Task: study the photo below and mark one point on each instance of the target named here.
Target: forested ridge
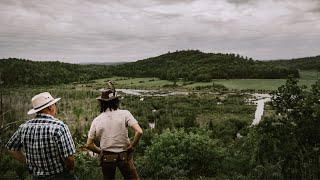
(190, 65)
(306, 63)
(25, 72)
(194, 65)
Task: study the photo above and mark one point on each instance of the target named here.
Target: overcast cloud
(129, 30)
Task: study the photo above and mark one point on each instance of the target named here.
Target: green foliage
(175, 154)
(301, 108)
(286, 146)
(306, 63)
(228, 130)
(193, 65)
(195, 137)
(190, 65)
(26, 72)
(8, 167)
(213, 87)
(87, 167)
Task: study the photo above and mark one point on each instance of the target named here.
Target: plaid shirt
(46, 142)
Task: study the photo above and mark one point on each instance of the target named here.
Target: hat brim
(102, 99)
(32, 111)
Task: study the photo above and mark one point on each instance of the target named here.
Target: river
(258, 99)
(140, 92)
(261, 99)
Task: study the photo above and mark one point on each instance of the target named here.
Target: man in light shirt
(111, 128)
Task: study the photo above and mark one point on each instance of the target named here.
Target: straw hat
(41, 101)
(108, 93)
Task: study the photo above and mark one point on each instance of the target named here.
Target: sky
(77, 31)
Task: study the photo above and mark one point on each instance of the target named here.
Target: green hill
(194, 65)
(25, 72)
(190, 65)
(306, 63)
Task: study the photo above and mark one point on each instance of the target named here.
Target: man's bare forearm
(69, 161)
(136, 138)
(92, 147)
(137, 134)
(18, 155)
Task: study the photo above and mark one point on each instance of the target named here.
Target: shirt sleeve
(92, 132)
(65, 142)
(14, 143)
(130, 120)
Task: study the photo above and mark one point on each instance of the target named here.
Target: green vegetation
(193, 65)
(195, 135)
(17, 72)
(186, 66)
(142, 83)
(285, 146)
(182, 156)
(307, 78)
(306, 63)
(78, 107)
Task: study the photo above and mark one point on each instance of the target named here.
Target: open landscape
(222, 90)
(179, 117)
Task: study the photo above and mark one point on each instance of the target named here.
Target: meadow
(78, 107)
(307, 78)
(205, 114)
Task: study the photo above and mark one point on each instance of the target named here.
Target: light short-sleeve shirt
(111, 128)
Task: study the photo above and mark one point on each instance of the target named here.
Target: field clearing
(241, 84)
(309, 75)
(307, 78)
(136, 82)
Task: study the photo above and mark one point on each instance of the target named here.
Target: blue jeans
(61, 176)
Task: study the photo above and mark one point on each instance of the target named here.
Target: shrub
(177, 154)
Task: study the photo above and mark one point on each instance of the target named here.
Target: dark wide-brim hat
(108, 93)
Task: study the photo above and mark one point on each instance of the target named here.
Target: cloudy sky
(129, 30)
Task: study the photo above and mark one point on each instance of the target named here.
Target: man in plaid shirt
(48, 146)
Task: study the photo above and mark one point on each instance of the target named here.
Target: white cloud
(96, 30)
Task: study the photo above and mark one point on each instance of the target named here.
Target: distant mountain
(103, 63)
(306, 63)
(194, 65)
(190, 65)
(25, 72)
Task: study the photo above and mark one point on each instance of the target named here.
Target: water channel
(261, 99)
(258, 99)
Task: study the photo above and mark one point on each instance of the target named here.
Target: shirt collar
(46, 116)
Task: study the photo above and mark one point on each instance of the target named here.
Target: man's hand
(92, 147)
(129, 148)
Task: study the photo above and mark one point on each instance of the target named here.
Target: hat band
(43, 105)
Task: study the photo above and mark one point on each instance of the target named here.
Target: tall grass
(78, 107)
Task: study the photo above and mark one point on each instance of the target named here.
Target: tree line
(26, 72)
(306, 63)
(194, 65)
(189, 65)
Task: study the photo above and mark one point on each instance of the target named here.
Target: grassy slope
(307, 78)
